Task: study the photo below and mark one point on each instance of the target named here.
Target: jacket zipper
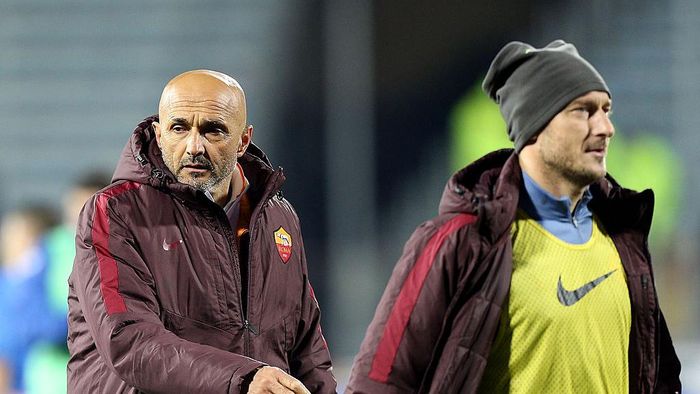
(656, 318)
(645, 360)
(622, 248)
(248, 327)
(237, 277)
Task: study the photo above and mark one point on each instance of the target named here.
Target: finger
(278, 388)
(293, 384)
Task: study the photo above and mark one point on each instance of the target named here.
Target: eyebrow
(587, 102)
(179, 121)
(205, 123)
(215, 123)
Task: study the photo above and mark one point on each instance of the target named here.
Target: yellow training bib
(565, 327)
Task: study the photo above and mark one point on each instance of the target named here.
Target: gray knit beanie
(531, 85)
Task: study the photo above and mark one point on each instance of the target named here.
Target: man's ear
(246, 138)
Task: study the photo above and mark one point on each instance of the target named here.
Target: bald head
(226, 79)
(203, 85)
(202, 129)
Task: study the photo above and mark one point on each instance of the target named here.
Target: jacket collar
(622, 209)
(490, 188)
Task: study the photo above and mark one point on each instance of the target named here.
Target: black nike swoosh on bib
(568, 298)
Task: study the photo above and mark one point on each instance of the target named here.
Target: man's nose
(602, 125)
(195, 143)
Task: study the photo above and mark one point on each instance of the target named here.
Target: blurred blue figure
(45, 364)
(25, 314)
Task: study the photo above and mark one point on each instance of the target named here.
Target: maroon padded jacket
(433, 329)
(158, 302)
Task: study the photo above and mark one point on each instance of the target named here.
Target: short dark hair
(94, 180)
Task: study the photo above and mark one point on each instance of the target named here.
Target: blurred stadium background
(368, 105)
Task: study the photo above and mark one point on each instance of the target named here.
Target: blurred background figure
(368, 105)
(23, 304)
(45, 366)
(37, 256)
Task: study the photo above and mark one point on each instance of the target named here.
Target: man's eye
(580, 111)
(178, 129)
(215, 134)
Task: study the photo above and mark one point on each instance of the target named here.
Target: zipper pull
(250, 327)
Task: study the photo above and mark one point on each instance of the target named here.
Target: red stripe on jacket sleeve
(109, 274)
(408, 297)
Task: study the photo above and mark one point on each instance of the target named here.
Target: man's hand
(274, 380)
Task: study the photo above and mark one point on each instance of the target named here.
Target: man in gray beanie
(535, 276)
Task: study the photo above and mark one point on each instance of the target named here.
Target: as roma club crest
(284, 244)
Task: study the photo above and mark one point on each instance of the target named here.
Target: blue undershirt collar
(554, 213)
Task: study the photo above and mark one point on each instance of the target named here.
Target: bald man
(190, 274)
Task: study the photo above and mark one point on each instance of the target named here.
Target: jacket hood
(141, 161)
(490, 188)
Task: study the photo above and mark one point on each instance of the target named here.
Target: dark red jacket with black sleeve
(433, 329)
(157, 300)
